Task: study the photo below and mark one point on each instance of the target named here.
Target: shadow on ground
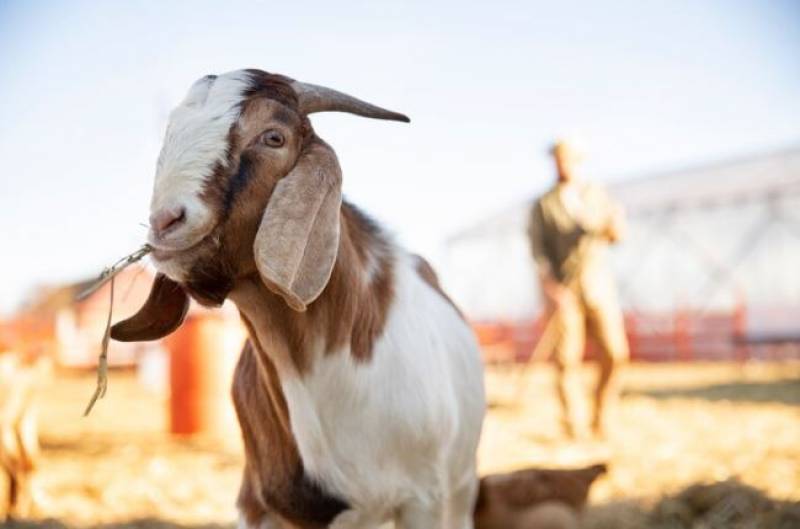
(726, 504)
(779, 391)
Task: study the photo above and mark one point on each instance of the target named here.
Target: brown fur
(356, 305)
(162, 313)
(513, 500)
(428, 274)
(274, 482)
(351, 310)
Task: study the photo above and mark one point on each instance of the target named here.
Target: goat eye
(272, 138)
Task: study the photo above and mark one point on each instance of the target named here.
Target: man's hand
(556, 294)
(615, 229)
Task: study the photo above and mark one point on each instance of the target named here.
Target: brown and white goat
(19, 442)
(535, 498)
(360, 391)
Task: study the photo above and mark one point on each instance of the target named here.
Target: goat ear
(162, 313)
(298, 239)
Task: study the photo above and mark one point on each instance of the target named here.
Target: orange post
(203, 352)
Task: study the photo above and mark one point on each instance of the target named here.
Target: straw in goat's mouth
(107, 276)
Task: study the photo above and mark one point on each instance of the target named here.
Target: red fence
(653, 337)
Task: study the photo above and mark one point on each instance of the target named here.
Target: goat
(360, 390)
(534, 498)
(19, 441)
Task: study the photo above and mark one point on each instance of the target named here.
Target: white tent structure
(710, 238)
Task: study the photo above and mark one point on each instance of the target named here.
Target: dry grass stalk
(106, 276)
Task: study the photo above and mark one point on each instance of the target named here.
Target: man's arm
(552, 290)
(614, 227)
(617, 226)
(536, 236)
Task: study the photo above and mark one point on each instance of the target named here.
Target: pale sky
(647, 86)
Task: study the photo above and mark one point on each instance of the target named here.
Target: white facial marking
(195, 141)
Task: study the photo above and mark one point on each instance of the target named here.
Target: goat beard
(209, 283)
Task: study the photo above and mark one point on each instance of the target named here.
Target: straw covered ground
(676, 426)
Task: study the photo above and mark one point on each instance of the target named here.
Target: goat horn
(315, 98)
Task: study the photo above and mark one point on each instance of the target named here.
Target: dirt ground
(676, 425)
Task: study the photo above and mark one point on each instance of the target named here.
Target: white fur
(398, 433)
(196, 140)
(374, 258)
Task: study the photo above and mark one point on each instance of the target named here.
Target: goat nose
(167, 219)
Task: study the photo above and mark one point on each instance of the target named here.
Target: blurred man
(570, 227)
